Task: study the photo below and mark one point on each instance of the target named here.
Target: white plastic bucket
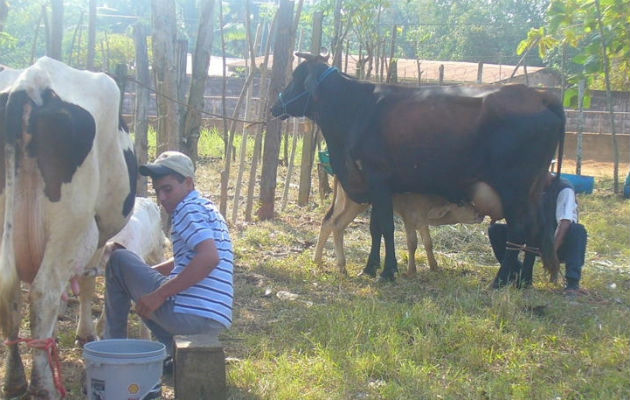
(124, 369)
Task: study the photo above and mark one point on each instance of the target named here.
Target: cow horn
(313, 57)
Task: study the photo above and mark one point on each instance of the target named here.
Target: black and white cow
(67, 184)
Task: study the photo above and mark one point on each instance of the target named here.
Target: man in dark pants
(559, 206)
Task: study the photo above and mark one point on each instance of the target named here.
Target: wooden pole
(164, 69)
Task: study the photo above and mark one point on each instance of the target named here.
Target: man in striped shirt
(190, 293)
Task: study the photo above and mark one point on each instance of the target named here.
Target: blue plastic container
(581, 183)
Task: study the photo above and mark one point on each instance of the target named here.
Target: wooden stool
(199, 368)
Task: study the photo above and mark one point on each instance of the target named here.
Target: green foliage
(575, 23)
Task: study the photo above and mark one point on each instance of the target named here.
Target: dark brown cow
(447, 141)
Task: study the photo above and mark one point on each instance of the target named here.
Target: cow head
(297, 98)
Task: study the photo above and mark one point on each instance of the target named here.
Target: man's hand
(148, 303)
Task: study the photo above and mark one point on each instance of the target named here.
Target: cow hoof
(14, 392)
(386, 279)
(498, 283)
(39, 394)
(79, 341)
(369, 271)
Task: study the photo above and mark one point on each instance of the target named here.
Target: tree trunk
(191, 130)
(56, 29)
(272, 138)
(337, 36)
(308, 142)
(91, 47)
(141, 123)
(42, 17)
(181, 62)
(609, 103)
(77, 29)
(164, 33)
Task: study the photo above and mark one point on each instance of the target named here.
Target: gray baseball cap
(167, 163)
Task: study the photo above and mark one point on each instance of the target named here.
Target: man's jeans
(571, 252)
(128, 278)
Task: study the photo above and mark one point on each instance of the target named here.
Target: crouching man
(191, 293)
(560, 206)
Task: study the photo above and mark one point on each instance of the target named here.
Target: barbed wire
(158, 94)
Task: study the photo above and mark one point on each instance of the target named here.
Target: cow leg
(15, 384)
(412, 245)
(425, 234)
(383, 214)
(60, 262)
(85, 328)
(510, 265)
(527, 272)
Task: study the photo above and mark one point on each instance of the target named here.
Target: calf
(417, 211)
(143, 235)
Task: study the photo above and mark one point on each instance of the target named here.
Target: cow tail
(9, 282)
(556, 108)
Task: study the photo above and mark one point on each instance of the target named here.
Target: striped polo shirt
(194, 220)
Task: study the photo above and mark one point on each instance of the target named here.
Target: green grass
(441, 335)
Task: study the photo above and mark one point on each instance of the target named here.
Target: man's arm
(566, 212)
(205, 260)
(561, 232)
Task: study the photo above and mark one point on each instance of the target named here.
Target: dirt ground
(597, 169)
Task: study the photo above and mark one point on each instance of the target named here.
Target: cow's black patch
(62, 137)
(132, 169)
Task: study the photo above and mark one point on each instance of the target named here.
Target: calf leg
(324, 232)
(15, 384)
(412, 245)
(339, 225)
(428, 246)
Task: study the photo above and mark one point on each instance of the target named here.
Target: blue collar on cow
(321, 78)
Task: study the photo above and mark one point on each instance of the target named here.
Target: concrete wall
(597, 147)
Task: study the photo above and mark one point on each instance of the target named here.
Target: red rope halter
(50, 345)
